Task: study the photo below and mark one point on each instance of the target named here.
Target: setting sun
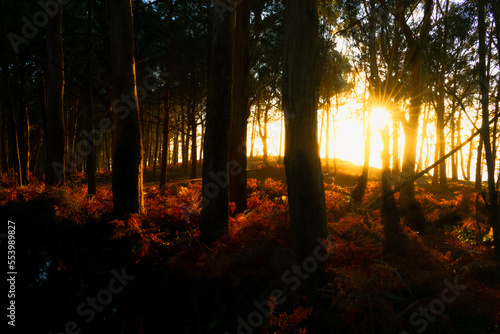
(380, 118)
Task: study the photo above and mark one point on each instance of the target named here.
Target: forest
(250, 166)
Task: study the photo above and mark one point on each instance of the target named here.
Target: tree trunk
(241, 111)
(127, 174)
(424, 139)
(411, 208)
(55, 146)
(306, 195)
(395, 149)
(157, 138)
(454, 140)
(164, 152)
(485, 132)
(479, 166)
(194, 127)
(440, 140)
(91, 156)
(23, 126)
(215, 205)
(252, 139)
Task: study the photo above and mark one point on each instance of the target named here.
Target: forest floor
(79, 268)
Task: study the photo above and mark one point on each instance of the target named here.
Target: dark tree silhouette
(55, 129)
(127, 155)
(241, 110)
(215, 210)
(306, 195)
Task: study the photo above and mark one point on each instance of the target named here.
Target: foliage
(363, 287)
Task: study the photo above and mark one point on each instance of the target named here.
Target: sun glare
(380, 118)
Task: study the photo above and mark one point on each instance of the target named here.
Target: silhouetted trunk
(485, 132)
(263, 131)
(55, 145)
(479, 166)
(193, 127)
(327, 137)
(164, 152)
(395, 149)
(252, 139)
(215, 205)
(157, 139)
(424, 139)
(91, 156)
(454, 164)
(412, 210)
(127, 174)
(238, 136)
(23, 126)
(440, 142)
(306, 195)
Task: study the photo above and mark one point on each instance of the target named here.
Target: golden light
(380, 118)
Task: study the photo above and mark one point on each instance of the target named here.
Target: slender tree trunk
(300, 98)
(155, 161)
(395, 149)
(281, 141)
(127, 174)
(91, 157)
(485, 132)
(252, 139)
(412, 210)
(241, 110)
(440, 139)
(55, 174)
(164, 152)
(23, 126)
(424, 139)
(327, 137)
(193, 126)
(215, 205)
(454, 140)
(479, 165)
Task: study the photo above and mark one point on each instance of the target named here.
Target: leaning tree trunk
(306, 195)
(127, 155)
(241, 111)
(55, 145)
(215, 205)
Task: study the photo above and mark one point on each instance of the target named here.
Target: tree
(306, 195)
(241, 110)
(485, 131)
(414, 59)
(215, 207)
(55, 131)
(91, 157)
(127, 155)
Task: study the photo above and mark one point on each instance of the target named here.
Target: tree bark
(485, 132)
(215, 205)
(127, 174)
(164, 152)
(241, 110)
(306, 195)
(157, 138)
(55, 146)
(413, 214)
(194, 127)
(91, 156)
